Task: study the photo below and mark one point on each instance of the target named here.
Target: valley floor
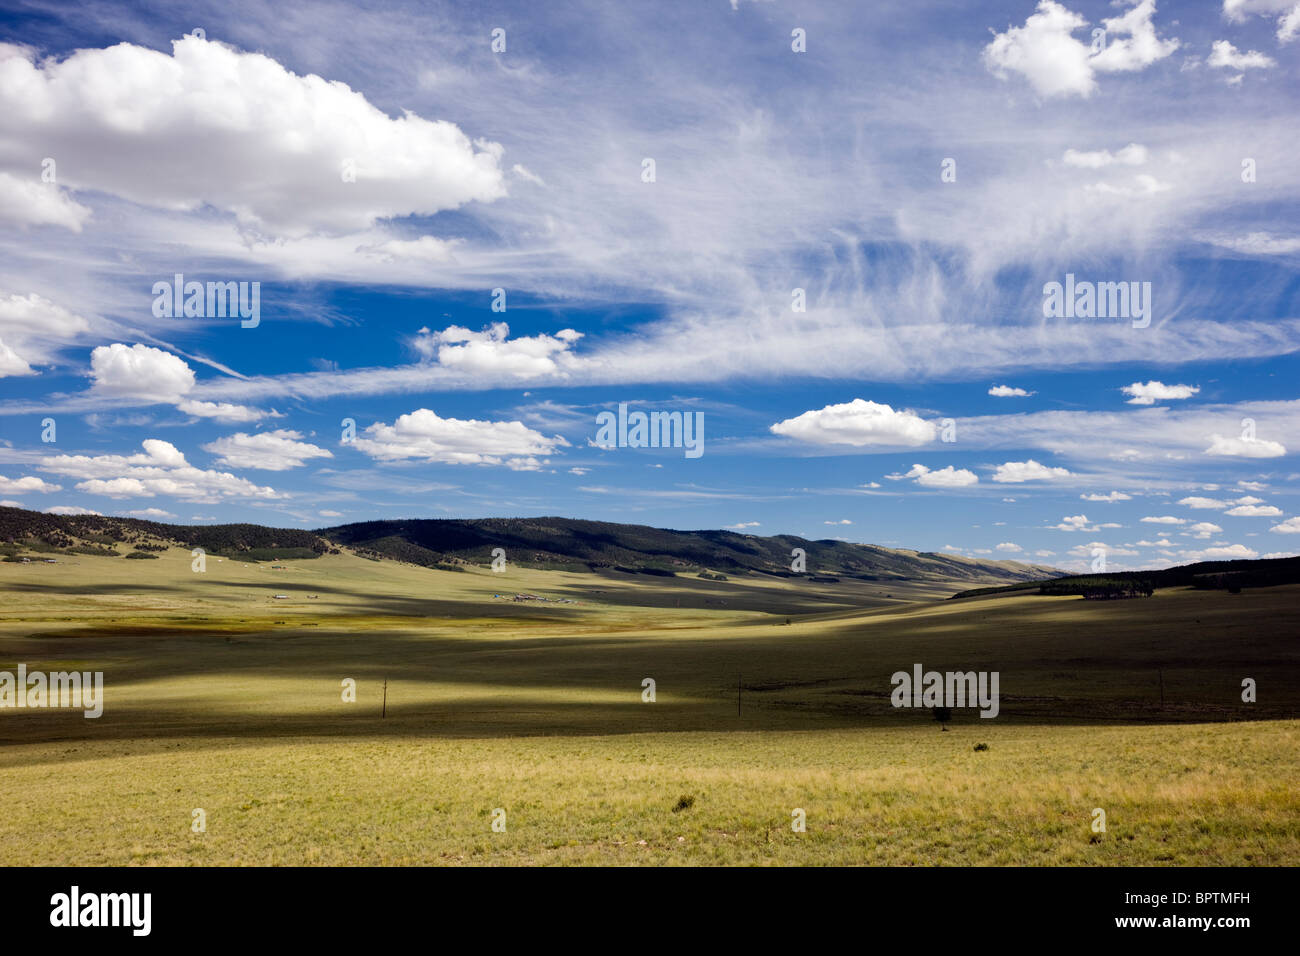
(471, 709)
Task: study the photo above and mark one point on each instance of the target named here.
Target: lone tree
(943, 715)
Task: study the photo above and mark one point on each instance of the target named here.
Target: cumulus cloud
(1203, 529)
(859, 423)
(1288, 24)
(277, 450)
(1222, 553)
(1289, 526)
(1055, 63)
(1225, 56)
(1254, 511)
(423, 434)
(1007, 391)
(1008, 546)
(1202, 503)
(1153, 392)
(31, 329)
(492, 352)
(1081, 523)
(19, 486)
(70, 510)
(1244, 447)
(1112, 497)
(1163, 519)
(151, 513)
(1014, 472)
(26, 201)
(140, 372)
(175, 131)
(160, 470)
(948, 477)
(143, 373)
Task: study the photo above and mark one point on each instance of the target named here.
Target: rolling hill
(553, 543)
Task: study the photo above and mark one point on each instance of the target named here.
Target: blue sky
(919, 172)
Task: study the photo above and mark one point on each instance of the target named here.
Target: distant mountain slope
(1204, 575)
(561, 543)
(573, 543)
(42, 533)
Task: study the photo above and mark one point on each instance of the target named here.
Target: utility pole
(384, 712)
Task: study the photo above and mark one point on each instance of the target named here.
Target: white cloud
(1047, 54)
(151, 513)
(140, 372)
(20, 486)
(1289, 526)
(149, 375)
(1203, 529)
(1132, 43)
(1244, 447)
(841, 521)
(1228, 553)
(1112, 497)
(1014, 472)
(1203, 503)
(1008, 546)
(221, 411)
(31, 329)
(423, 249)
(1254, 511)
(1252, 485)
(1288, 25)
(425, 435)
(160, 470)
(69, 510)
(1256, 243)
(330, 514)
(1007, 391)
(1153, 392)
(26, 201)
(277, 450)
(175, 131)
(744, 524)
(492, 352)
(1164, 519)
(1226, 56)
(948, 477)
(858, 423)
(1131, 155)
(1075, 523)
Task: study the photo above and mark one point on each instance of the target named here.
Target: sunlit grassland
(219, 696)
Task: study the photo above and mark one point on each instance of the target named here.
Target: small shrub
(138, 555)
(684, 802)
(979, 747)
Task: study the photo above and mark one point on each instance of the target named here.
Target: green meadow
(224, 691)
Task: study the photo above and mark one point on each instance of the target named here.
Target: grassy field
(220, 696)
